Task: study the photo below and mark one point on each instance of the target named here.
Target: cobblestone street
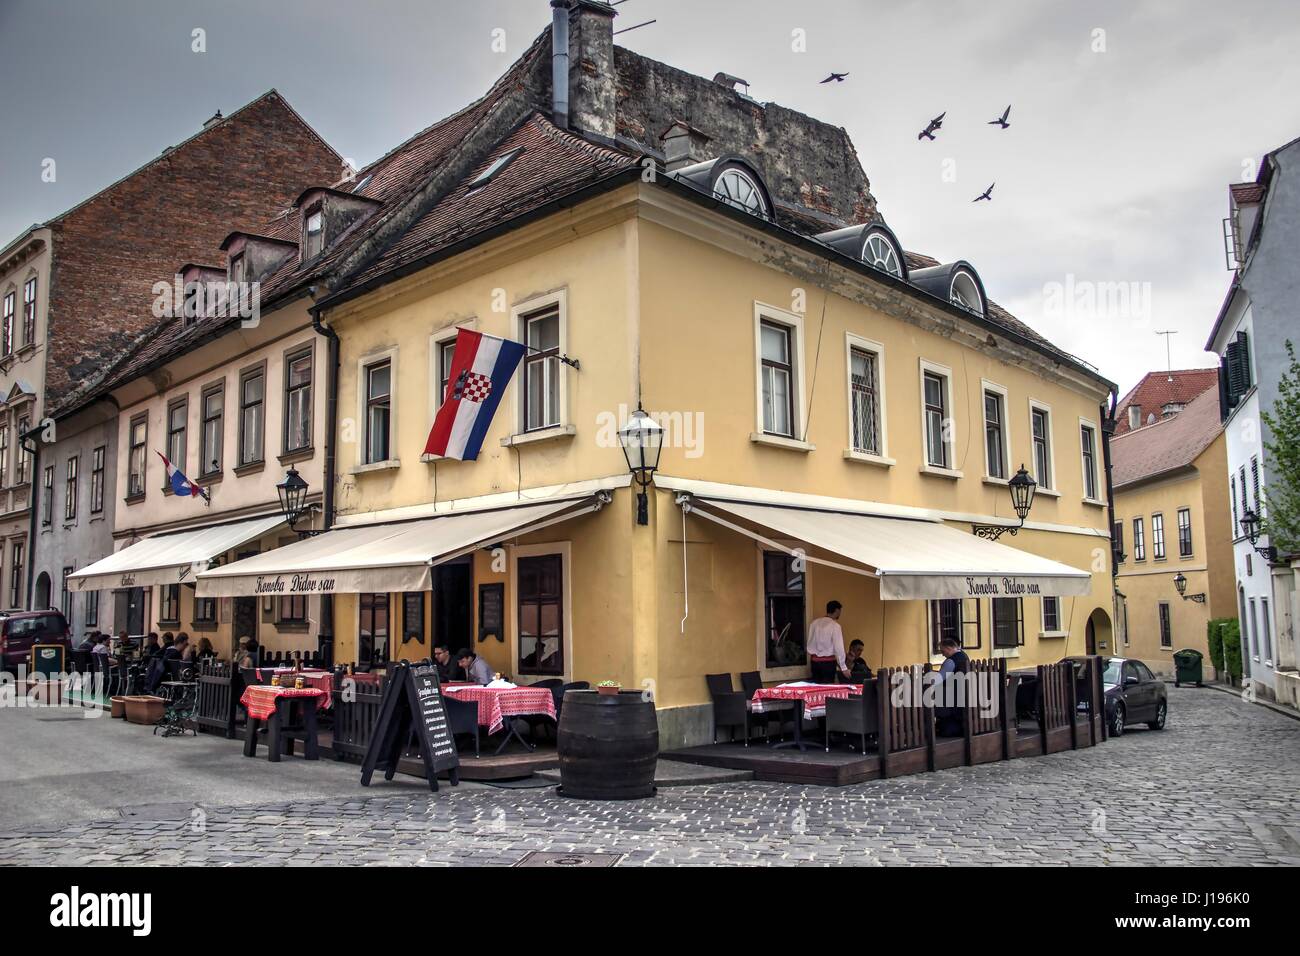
(1221, 785)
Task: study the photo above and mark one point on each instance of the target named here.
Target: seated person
(476, 669)
(859, 671)
(205, 650)
(448, 670)
(151, 646)
(101, 646)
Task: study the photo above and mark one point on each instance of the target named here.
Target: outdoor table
(269, 704)
(174, 688)
(321, 679)
(495, 704)
(809, 701)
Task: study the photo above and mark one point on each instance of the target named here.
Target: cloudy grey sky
(1129, 118)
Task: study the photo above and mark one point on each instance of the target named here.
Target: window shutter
(1225, 402)
(1232, 369)
(1243, 363)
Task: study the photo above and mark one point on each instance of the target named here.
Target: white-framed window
(997, 449)
(938, 427)
(879, 253)
(1040, 431)
(542, 323)
(778, 360)
(442, 351)
(1266, 631)
(313, 232)
(1158, 536)
(1052, 615)
(736, 188)
(252, 414)
(213, 400)
(965, 294)
(866, 363)
(378, 384)
(298, 434)
(1088, 456)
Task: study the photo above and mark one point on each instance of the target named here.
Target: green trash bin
(1187, 667)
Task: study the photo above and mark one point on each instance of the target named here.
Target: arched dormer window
(880, 253)
(732, 180)
(964, 293)
(734, 186)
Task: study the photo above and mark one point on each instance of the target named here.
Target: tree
(1282, 493)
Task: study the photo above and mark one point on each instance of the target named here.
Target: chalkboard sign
(412, 706)
(47, 659)
(491, 611)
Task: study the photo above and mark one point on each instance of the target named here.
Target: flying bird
(986, 194)
(837, 77)
(1002, 120)
(934, 124)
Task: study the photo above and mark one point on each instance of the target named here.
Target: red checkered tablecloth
(260, 699)
(324, 680)
(813, 696)
(497, 703)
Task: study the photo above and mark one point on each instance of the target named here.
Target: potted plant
(608, 687)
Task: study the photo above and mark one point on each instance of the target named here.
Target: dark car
(19, 630)
(1134, 695)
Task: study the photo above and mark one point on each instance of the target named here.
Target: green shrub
(1214, 641)
(1232, 650)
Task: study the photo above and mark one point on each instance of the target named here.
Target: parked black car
(1134, 695)
(19, 630)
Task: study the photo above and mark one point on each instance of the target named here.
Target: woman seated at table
(204, 650)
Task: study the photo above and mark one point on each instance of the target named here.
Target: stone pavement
(1220, 786)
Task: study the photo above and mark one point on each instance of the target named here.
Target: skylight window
(489, 174)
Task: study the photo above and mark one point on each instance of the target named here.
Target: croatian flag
(180, 484)
(480, 371)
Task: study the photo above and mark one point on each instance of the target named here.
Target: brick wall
(112, 249)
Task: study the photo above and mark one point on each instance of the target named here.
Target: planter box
(117, 707)
(144, 710)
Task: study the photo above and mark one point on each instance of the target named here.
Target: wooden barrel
(608, 745)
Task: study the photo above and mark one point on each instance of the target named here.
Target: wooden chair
(854, 715)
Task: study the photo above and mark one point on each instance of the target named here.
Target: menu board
(412, 704)
(491, 611)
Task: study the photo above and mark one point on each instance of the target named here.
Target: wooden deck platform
(514, 764)
(838, 768)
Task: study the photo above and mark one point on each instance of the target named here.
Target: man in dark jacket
(949, 722)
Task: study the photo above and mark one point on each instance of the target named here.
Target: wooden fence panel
(216, 697)
(354, 720)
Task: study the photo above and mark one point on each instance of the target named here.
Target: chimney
(1170, 409)
(214, 118)
(584, 83)
(684, 145)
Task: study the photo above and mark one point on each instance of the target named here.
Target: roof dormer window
(965, 294)
(879, 253)
(735, 188)
(313, 233)
(498, 164)
(238, 267)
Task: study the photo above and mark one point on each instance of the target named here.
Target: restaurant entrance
(453, 615)
(129, 609)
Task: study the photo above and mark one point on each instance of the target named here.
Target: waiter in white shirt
(826, 646)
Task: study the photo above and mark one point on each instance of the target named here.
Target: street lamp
(293, 497)
(642, 439)
(1022, 489)
(1251, 524)
(1180, 585)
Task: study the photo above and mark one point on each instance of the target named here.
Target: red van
(19, 630)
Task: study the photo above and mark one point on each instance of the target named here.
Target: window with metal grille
(1051, 614)
(863, 398)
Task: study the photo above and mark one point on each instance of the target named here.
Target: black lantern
(1022, 489)
(1180, 585)
(1250, 525)
(642, 439)
(293, 496)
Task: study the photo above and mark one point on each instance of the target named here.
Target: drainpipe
(1108, 430)
(331, 454)
(34, 502)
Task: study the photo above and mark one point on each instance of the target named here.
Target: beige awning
(170, 558)
(381, 557)
(914, 559)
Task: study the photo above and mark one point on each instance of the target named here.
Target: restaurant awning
(382, 557)
(914, 559)
(170, 558)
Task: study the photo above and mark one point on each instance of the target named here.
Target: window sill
(285, 627)
(1053, 634)
(936, 472)
(388, 464)
(203, 625)
(780, 441)
(1095, 502)
(211, 478)
(94, 518)
(1006, 652)
(133, 499)
(252, 468)
(527, 438)
(1000, 482)
(1050, 492)
(169, 622)
(300, 454)
(866, 458)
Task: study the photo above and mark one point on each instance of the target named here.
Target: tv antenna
(1169, 361)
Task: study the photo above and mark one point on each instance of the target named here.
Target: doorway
(453, 612)
(129, 610)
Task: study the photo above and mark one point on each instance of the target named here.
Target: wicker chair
(854, 715)
(730, 707)
(773, 711)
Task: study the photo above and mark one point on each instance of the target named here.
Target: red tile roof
(1157, 389)
(1168, 445)
(1245, 193)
